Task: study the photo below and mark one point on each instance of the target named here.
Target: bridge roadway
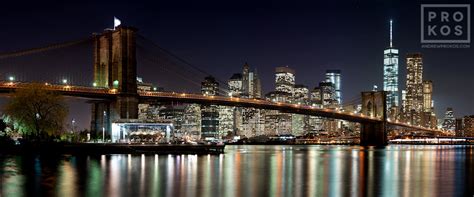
(151, 97)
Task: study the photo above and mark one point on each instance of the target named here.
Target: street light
(103, 127)
(64, 81)
(72, 123)
(11, 78)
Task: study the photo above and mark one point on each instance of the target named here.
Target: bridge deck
(152, 97)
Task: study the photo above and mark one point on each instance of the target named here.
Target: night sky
(220, 36)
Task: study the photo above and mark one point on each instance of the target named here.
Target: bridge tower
(115, 67)
(374, 133)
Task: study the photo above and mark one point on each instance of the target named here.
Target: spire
(246, 65)
(391, 45)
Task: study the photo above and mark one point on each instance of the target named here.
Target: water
(249, 171)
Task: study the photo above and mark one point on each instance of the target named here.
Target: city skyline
(309, 60)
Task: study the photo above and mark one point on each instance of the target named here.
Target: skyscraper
(328, 94)
(414, 88)
(210, 86)
(301, 94)
(334, 76)
(251, 87)
(235, 85)
(245, 79)
(284, 79)
(247, 121)
(390, 73)
(427, 96)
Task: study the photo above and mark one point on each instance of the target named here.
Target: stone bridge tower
(115, 67)
(374, 133)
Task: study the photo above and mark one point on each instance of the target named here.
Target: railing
(62, 88)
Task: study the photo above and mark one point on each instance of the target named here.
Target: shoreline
(110, 148)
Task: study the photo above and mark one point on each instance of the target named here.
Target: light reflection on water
(249, 171)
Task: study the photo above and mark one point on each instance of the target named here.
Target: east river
(396, 170)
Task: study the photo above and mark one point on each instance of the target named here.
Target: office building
(414, 89)
(284, 79)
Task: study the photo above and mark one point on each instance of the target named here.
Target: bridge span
(154, 97)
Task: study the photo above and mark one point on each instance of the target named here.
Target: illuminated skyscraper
(427, 96)
(414, 83)
(251, 87)
(235, 85)
(328, 94)
(284, 79)
(390, 73)
(334, 76)
(247, 121)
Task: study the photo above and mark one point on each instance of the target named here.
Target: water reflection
(249, 171)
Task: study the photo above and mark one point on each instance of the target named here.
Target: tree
(34, 110)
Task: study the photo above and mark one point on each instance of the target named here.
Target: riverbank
(110, 148)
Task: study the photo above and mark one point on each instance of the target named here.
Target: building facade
(284, 79)
(469, 126)
(209, 113)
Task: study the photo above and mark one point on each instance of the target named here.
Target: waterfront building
(226, 120)
(209, 113)
(300, 123)
(191, 124)
(334, 76)
(277, 122)
(390, 73)
(173, 114)
(247, 121)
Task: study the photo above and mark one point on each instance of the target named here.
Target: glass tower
(334, 76)
(390, 73)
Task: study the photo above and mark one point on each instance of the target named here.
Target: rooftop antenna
(391, 33)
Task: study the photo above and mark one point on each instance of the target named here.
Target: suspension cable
(23, 52)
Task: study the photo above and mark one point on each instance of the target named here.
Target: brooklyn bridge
(114, 95)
